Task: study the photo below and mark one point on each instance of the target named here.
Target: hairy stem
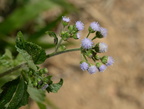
(58, 45)
(61, 52)
(88, 34)
(12, 69)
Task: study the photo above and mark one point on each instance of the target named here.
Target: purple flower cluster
(92, 68)
(88, 48)
(94, 26)
(90, 51)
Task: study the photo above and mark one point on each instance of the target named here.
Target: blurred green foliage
(23, 15)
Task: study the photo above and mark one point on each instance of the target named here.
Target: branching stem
(59, 43)
(24, 64)
(61, 52)
(12, 69)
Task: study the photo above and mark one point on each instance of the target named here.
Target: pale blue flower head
(102, 67)
(102, 47)
(79, 25)
(84, 66)
(87, 43)
(103, 31)
(95, 26)
(65, 19)
(92, 69)
(110, 61)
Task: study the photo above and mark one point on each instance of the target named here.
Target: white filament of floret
(66, 19)
(103, 47)
(110, 61)
(92, 69)
(79, 25)
(84, 66)
(87, 43)
(102, 68)
(78, 35)
(103, 31)
(95, 26)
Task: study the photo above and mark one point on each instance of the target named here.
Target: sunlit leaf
(36, 53)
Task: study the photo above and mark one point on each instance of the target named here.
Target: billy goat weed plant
(24, 77)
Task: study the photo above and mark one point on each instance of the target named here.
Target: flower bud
(89, 53)
(94, 26)
(107, 60)
(71, 28)
(62, 47)
(65, 35)
(99, 35)
(91, 30)
(101, 67)
(65, 21)
(96, 57)
(102, 33)
(100, 47)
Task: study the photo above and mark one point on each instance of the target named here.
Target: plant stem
(88, 34)
(58, 45)
(23, 64)
(85, 58)
(12, 69)
(61, 52)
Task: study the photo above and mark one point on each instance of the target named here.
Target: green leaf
(14, 94)
(20, 42)
(37, 53)
(37, 95)
(8, 54)
(55, 86)
(28, 58)
(52, 34)
(6, 59)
